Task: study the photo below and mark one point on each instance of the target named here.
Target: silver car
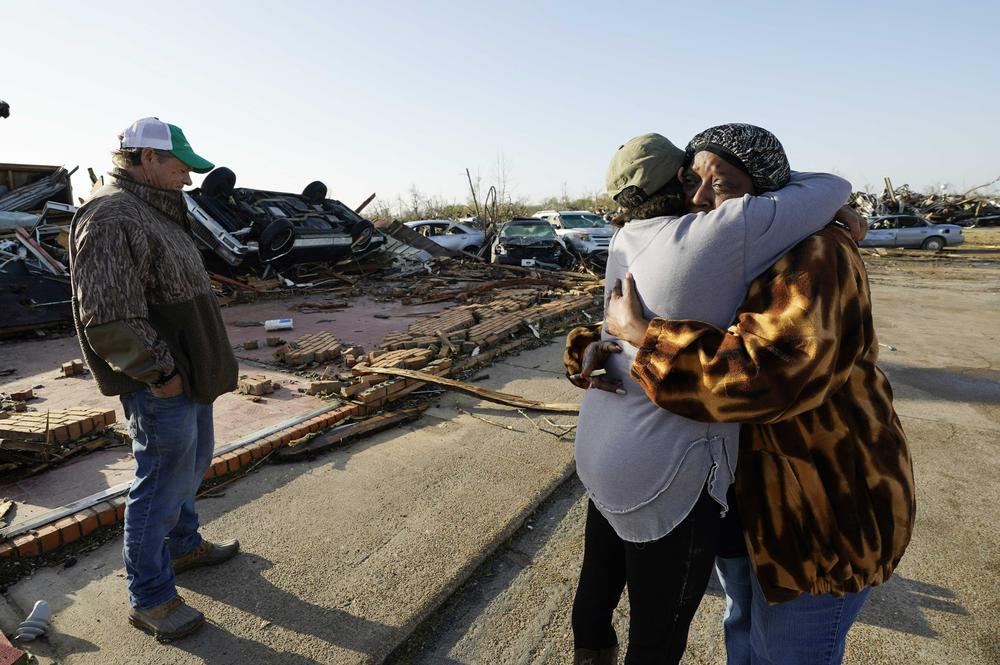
(911, 231)
(585, 232)
(449, 234)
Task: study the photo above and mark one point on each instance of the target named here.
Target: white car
(450, 234)
(585, 232)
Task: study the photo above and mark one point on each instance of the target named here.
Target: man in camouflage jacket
(151, 332)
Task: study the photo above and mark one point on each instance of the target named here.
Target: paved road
(940, 608)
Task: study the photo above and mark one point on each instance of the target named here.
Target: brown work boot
(170, 621)
(206, 554)
(596, 656)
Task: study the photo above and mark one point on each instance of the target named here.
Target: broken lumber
(469, 389)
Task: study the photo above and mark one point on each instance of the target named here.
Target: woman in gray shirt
(656, 481)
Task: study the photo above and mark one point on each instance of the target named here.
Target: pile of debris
(36, 207)
(489, 313)
(965, 209)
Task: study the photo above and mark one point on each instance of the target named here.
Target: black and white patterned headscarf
(749, 148)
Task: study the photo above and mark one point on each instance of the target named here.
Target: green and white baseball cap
(648, 162)
(156, 134)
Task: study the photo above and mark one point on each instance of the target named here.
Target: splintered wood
(316, 347)
(57, 426)
(484, 393)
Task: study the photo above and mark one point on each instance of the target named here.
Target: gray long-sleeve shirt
(644, 467)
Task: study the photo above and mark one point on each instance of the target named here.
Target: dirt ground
(938, 320)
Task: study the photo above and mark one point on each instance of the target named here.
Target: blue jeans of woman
(172, 442)
(810, 630)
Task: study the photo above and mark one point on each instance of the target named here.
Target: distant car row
(550, 239)
(248, 228)
(554, 239)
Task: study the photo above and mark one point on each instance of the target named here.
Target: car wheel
(361, 235)
(315, 192)
(933, 244)
(219, 183)
(276, 240)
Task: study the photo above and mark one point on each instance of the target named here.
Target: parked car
(450, 234)
(584, 232)
(530, 242)
(911, 231)
(250, 228)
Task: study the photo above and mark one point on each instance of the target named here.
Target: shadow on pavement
(952, 384)
(254, 594)
(237, 650)
(897, 605)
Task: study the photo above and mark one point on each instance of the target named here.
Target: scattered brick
(316, 347)
(73, 367)
(328, 387)
(255, 385)
(64, 425)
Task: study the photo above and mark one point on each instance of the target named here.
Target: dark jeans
(173, 442)
(666, 580)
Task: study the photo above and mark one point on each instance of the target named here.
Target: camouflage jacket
(824, 481)
(142, 301)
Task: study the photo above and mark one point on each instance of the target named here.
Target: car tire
(315, 192)
(933, 244)
(361, 235)
(276, 240)
(220, 183)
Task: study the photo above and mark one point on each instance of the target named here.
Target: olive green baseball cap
(648, 162)
(154, 133)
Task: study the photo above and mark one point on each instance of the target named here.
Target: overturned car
(246, 230)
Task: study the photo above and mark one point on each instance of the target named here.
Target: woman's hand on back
(853, 220)
(624, 317)
(594, 358)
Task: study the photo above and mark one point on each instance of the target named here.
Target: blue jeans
(172, 442)
(810, 630)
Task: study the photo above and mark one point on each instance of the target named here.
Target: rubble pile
(966, 209)
(36, 207)
(491, 317)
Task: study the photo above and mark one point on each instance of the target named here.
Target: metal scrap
(964, 209)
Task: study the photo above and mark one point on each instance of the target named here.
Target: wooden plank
(476, 391)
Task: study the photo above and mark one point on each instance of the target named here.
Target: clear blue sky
(382, 96)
